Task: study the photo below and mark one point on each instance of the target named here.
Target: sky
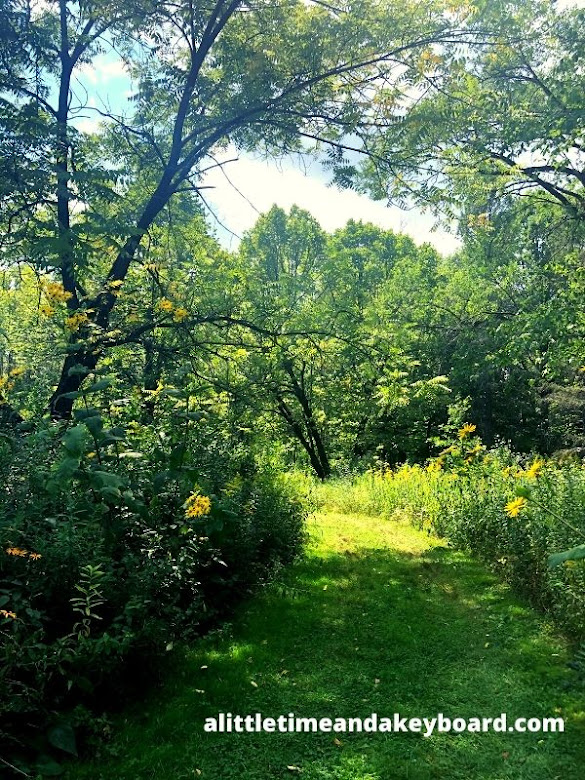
(247, 186)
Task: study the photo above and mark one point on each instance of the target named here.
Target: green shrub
(116, 541)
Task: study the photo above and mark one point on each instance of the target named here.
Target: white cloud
(263, 184)
(103, 69)
(87, 124)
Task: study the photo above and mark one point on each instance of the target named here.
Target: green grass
(378, 618)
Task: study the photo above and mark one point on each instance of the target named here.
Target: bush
(115, 542)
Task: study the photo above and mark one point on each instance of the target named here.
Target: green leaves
(62, 736)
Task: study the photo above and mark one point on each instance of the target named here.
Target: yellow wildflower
(180, 314)
(17, 371)
(233, 486)
(46, 310)
(18, 551)
(35, 556)
(56, 292)
(513, 508)
(535, 469)
(466, 430)
(7, 614)
(74, 322)
(197, 505)
(165, 305)
(115, 283)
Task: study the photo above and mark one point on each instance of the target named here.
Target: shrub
(117, 540)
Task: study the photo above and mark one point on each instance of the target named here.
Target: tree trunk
(316, 451)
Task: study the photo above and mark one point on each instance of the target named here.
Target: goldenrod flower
(513, 508)
(46, 310)
(197, 505)
(5, 613)
(18, 551)
(17, 371)
(466, 430)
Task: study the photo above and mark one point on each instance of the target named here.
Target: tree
(503, 117)
(268, 76)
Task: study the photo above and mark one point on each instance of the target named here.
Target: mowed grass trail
(378, 618)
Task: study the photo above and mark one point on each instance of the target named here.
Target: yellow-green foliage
(510, 513)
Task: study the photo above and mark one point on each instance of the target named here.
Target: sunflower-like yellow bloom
(535, 469)
(17, 551)
(165, 305)
(513, 508)
(197, 505)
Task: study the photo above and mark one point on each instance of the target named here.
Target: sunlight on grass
(379, 617)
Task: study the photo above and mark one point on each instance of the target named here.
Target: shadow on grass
(350, 634)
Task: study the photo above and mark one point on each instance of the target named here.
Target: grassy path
(378, 618)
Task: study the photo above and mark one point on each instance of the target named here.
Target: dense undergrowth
(118, 539)
(510, 511)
